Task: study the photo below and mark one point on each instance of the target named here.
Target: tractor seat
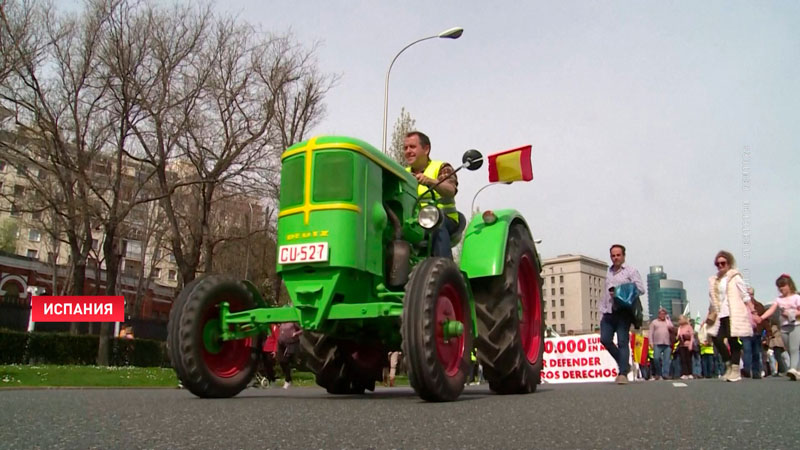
(455, 238)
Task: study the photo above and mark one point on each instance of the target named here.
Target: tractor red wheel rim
(530, 323)
(233, 356)
(449, 306)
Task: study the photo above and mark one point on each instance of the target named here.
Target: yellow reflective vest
(432, 171)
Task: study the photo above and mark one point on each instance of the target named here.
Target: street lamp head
(452, 33)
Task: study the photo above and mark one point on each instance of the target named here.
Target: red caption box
(88, 308)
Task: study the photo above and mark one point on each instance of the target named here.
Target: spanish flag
(511, 165)
(639, 348)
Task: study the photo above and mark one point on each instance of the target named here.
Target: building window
(561, 278)
(32, 253)
(19, 191)
(156, 273)
(562, 302)
(554, 314)
(172, 275)
(95, 244)
(552, 279)
(562, 314)
(563, 328)
(34, 236)
(553, 303)
(553, 291)
(15, 212)
(561, 290)
(2, 166)
(171, 257)
(133, 249)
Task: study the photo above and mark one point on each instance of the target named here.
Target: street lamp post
(451, 33)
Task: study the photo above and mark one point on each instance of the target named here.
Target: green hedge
(62, 348)
(12, 347)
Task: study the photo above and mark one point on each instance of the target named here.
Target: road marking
(679, 384)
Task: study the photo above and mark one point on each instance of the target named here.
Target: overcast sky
(638, 112)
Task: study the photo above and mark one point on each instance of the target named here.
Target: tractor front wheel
(437, 330)
(510, 319)
(205, 364)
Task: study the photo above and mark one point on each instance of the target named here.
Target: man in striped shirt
(618, 320)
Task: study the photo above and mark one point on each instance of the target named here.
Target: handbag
(625, 296)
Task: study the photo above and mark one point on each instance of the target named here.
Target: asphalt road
(763, 414)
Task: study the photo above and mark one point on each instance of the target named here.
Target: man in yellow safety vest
(428, 172)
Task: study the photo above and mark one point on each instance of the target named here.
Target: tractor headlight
(429, 217)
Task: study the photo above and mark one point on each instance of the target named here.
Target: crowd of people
(281, 346)
(738, 338)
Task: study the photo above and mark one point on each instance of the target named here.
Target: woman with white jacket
(730, 312)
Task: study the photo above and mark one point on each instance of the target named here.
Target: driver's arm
(448, 188)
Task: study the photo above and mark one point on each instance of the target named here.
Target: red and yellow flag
(639, 348)
(511, 165)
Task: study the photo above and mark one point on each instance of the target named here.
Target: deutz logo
(306, 234)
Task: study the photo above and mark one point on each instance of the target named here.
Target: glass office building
(666, 293)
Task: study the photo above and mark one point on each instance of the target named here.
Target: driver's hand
(423, 180)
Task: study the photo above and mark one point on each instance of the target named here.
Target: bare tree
(404, 124)
(50, 89)
(215, 117)
(151, 222)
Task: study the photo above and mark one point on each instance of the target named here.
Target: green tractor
(354, 254)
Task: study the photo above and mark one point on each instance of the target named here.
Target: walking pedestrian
(729, 313)
(288, 344)
(706, 352)
(659, 338)
(789, 304)
(685, 344)
(751, 346)
(617, 320)
(778, 350)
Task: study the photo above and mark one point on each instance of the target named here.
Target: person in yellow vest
(428, 172)
(706, 352)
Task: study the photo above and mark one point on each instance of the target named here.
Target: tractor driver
(428, 172)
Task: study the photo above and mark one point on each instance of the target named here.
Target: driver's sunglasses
(722, 263)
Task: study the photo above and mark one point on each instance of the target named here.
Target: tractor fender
(483, 253)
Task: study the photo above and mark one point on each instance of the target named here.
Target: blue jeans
(752, 355)
(663, 354)
(719, 363)
(621, 325)
(696, 369)
(441, 238)
(708, 365)
(676, 366)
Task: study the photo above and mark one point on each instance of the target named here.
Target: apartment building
(571, 292)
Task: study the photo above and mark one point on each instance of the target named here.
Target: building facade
(571, 292)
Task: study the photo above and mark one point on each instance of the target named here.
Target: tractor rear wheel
(173, 347)
(205, 364)
(327, 359)
(510, 339)
(437, 330)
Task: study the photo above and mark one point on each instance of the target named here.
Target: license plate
(303, 253)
